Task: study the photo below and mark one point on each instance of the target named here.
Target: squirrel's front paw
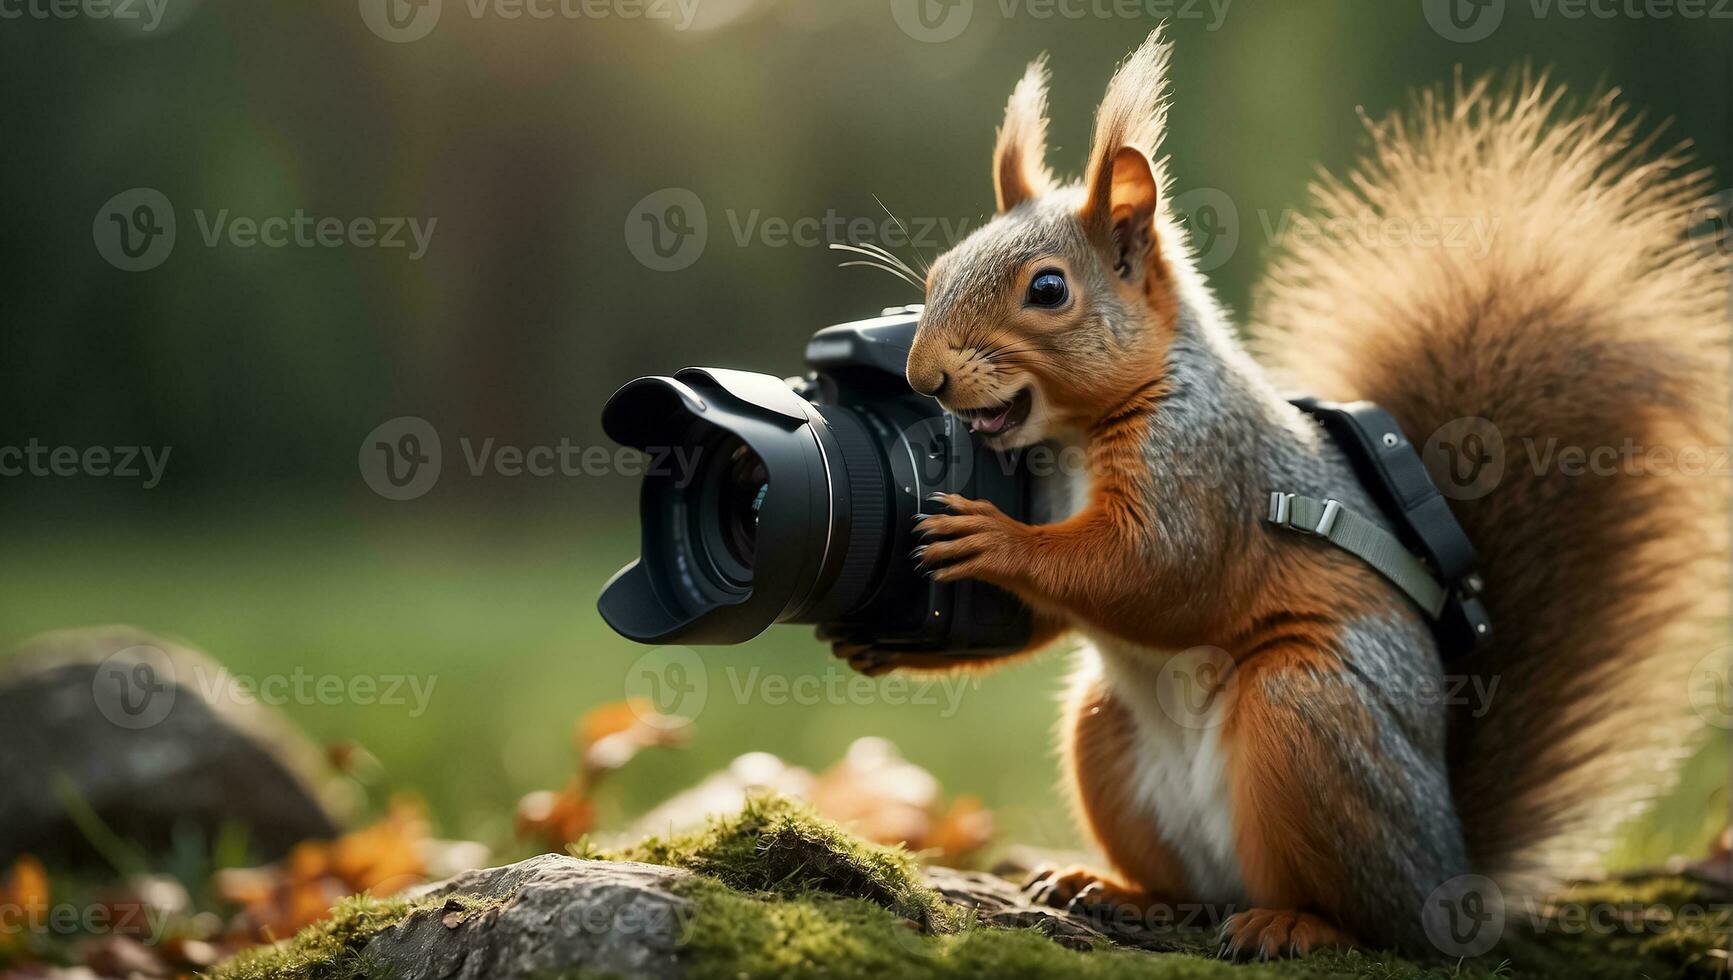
(973, 539)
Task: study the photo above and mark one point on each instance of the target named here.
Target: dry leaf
(964, 829)
(24, 891)
(380, 859)
(555, 819)
(883, 797)
(612, 735)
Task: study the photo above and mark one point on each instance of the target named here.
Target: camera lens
(758, 507)
(748, 482)
(730, 499)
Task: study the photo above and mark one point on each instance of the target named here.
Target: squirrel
(1319, 789)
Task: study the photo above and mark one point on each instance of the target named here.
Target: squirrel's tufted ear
(1125, 183)
(1020, 155)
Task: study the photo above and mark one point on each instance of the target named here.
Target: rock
(547, 915)
(147, 735)
(999, 902)
(552, 914)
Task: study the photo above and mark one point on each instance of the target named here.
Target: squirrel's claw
(1264, 934)
(968, 539)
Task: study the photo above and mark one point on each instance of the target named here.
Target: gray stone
(148, 736)
(547, 915)
(551, 915)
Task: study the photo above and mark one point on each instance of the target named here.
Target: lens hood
(725, 430)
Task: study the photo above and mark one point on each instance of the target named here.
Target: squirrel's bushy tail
(1503, 256)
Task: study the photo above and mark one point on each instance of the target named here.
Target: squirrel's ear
(1124, 221)
(1124, 185)
(1020, 155)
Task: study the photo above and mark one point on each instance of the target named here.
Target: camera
(799, 502)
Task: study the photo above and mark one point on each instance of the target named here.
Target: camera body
(802, 504)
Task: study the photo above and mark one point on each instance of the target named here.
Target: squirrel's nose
(931, 390)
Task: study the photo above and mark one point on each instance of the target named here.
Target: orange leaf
(965, 828)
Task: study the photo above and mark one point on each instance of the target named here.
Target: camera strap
(1429, 557)
(1365, 540)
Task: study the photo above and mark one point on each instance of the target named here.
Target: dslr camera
(800, 503)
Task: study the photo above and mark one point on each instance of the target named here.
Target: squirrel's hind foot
(1271, 934)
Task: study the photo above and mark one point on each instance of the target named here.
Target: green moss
(779, 846)
(736, 935)
(330, 949)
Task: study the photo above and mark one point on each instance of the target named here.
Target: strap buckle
(1282, 513)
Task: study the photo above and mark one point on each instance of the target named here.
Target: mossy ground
(331, 949)
(783, 893)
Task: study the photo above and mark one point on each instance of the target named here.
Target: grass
(498, 617)
(783, 893)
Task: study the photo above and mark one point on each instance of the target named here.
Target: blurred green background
(531, 142)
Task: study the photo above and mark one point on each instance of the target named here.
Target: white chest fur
(1180, 770)
(1180, 775)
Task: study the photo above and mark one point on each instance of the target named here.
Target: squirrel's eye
(1048, 289)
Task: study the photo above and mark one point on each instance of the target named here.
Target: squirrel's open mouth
(996, 420)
